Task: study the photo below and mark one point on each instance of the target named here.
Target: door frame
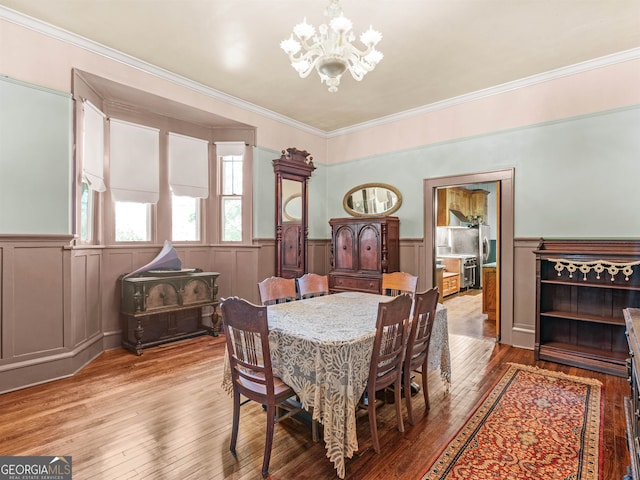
(505, 253)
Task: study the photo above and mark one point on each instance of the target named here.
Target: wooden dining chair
(386, 359)
(417, 352)
(277, 290)
(397, 283)
(247, 337)
(313, 285)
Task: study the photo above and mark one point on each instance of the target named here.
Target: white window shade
(135, 166)
(224, 149)
(188, 166)
(93, 147)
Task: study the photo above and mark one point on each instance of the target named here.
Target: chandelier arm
(312, 66)
(362, 53)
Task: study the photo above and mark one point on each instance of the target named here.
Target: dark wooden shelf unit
(582, 289)
(632, 402)
(362, 249)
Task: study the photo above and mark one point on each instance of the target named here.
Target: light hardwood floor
(163, 415)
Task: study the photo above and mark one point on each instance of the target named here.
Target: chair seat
(280, 388)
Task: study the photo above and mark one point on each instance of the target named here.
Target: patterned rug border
(551, 373)
(496, 390)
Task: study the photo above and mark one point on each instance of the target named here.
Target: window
(231, 198)
(231, 156)
(135, 167)
(92, 167)
(133, 222)
(86, 213)
(185, 213)
(189, 182)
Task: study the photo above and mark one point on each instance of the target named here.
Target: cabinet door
(478, 203)
(161, 295)
(369, 248)
(291, 246)
(459, 200)
(343, 251)
(196, 291)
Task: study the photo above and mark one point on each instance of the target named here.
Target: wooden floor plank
(163, 415)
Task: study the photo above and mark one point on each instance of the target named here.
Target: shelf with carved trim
(583, 286)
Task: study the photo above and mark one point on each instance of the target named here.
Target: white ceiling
(434, 50)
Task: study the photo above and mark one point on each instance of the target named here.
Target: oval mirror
(372, 199)
(292, 209)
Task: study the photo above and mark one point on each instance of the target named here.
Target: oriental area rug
(534, 424)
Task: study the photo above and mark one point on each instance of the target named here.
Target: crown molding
(600, 62)
(97, 48)
(84, 43)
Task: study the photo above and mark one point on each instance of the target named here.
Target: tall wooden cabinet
(362, 249)
(292, 171)
(583, 286)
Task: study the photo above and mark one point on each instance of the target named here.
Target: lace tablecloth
(322, 346)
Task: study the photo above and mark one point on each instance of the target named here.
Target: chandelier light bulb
(371, 37)
(341, 24)
(290, 46)
(374, 57)
(331, 52)
(303, 30)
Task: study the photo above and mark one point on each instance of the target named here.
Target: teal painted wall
(35, 159)
(574, 178)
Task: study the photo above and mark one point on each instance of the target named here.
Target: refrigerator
(471, 241)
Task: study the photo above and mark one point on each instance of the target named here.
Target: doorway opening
(469, 249)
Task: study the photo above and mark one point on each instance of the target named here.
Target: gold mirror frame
(357, 213)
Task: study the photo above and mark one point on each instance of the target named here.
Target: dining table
(322, 348)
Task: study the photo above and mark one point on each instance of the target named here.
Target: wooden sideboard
(362, 249)
(160, 307)
(632, 402)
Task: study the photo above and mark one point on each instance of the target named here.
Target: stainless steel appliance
(469, 272)
(471, 241)
(468, 269)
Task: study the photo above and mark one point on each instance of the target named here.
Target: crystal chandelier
(331, 52)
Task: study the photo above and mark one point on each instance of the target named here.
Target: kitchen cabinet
(582, 288)
(489, 292)
(451, 275)
(478, 204)
(362, 249)
(450, 283)
(453, 198)
(458, 199)
(471, 203)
